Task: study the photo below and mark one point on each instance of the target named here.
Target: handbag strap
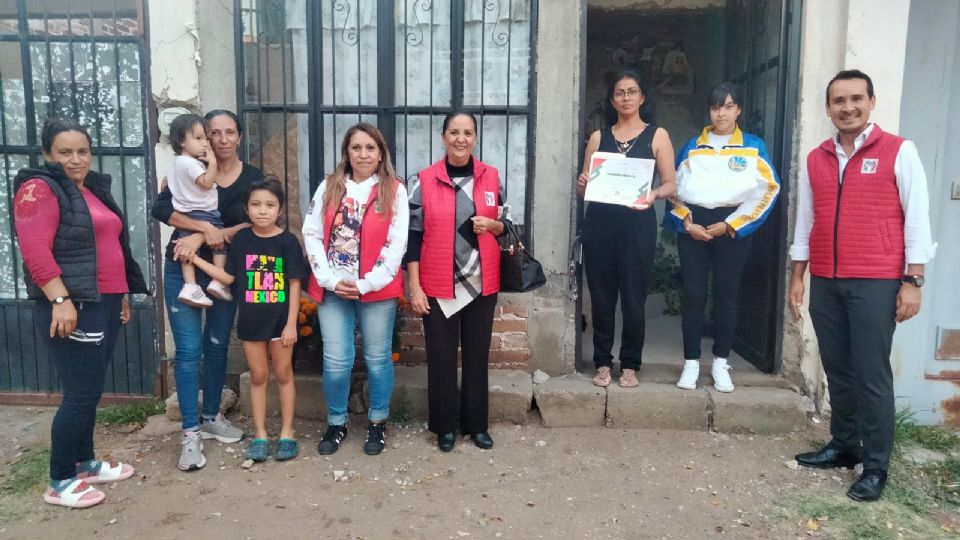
(511, 233)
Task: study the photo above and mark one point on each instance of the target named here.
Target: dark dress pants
(854, 320)
(470, 329)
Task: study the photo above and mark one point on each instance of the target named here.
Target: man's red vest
(439, 228)
(373, 236)
(857, 224)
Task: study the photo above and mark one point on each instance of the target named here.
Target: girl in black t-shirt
(265, 267)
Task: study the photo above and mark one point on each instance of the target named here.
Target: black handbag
(519, 271)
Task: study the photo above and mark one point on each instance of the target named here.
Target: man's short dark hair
(850, 74)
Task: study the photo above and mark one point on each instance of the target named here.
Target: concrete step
(511, 395)
(742, 375)
(572, 401)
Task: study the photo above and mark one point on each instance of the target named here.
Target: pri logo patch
(737, 164)
(869, 166)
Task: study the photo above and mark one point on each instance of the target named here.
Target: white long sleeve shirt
(919, 247)
(341, 259)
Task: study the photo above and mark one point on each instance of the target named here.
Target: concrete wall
(865, 34)
(218, 63)
(550, 322)
(930, 116)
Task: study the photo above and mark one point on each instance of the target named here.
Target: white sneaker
(192, 295)
(691, 372)
(219, 291)
(191, 452)
(721, 375)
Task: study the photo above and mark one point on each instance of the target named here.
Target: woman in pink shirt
(76, 251)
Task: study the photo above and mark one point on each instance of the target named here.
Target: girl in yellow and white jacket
(726, 188)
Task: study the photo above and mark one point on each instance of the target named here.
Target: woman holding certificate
(620, 226)
(726, 188)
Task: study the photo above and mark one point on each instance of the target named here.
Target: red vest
(857, 225)
(439, 233)
(373, 236)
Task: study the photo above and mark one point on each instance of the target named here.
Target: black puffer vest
(74, 244)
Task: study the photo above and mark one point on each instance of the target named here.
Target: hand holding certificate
(616, 179)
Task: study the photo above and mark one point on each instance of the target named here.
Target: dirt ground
(536, 483)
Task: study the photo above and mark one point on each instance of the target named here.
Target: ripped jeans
(197, 343)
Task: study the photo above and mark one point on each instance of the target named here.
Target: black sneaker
(331, 440)
(376, 439)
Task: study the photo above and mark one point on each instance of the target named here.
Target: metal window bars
(306, 71)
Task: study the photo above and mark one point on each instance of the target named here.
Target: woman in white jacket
(726, 188)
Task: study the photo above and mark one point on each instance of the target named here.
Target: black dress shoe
(446, 441)
(482, 440)
(828, 458)
(869, 486)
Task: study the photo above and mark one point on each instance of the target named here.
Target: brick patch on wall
(509, 345)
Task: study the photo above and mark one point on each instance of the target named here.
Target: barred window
(84, 61)
(310, 70)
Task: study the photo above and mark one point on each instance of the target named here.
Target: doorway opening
(681, 50)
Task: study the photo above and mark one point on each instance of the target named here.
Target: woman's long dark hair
(647, 110)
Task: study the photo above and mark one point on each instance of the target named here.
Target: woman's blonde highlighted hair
(386, 178)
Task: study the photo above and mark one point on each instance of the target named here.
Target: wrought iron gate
(85, 60)
(763, 59)
(307, 71)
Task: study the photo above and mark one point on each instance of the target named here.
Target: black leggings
(618, 247)
(81, 368)
(724, 255)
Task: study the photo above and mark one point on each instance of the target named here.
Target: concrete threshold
(760, 404)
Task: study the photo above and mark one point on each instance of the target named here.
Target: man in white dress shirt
(863, 229)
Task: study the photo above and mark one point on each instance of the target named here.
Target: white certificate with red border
(617, 179)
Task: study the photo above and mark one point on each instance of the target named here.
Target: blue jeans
(338, 318)
(194, 341)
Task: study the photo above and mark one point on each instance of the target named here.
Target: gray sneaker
(191, 452)
(220, 429)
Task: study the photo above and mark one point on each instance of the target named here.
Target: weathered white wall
(174, 53)
(930, 116)
(876, 43)
(870, 35)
